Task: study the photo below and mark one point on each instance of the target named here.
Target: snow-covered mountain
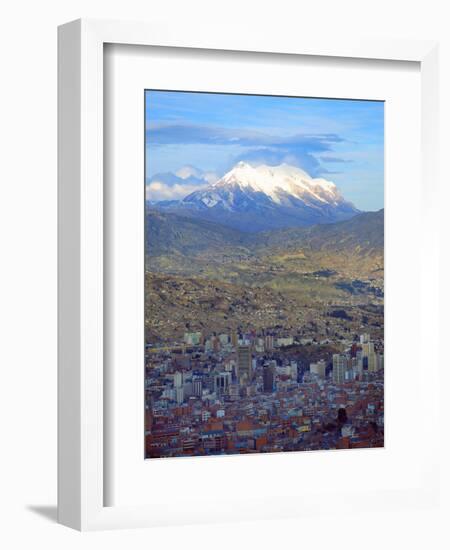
(264, 197)
(280, 185)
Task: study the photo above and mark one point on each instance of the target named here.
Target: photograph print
(264, 274)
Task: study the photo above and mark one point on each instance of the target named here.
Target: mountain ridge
(168, 232)
(259, 198)
(325, 263)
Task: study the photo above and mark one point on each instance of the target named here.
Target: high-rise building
(269, 342)
(234, 339)
(380, 361)
(222, 382)
(179, 395)
(224, 339)
(349, 374)
(188, 389)
(372, 363)
(318, 368)
(259, 345)
(216, 343)
(339, 368)
(244, 362)
(234, 392)
(268, 378)
(367, 349)
(197, 387)
(294, 371)
(178, 379)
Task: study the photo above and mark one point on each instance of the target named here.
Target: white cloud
(179, 184)
(160, 191)
(187, 171)
(210, 177)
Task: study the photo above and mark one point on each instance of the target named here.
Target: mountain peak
(255, 198)
(280, 183)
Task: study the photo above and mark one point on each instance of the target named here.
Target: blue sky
(340, 140)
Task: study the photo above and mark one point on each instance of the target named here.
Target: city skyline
(257, 397)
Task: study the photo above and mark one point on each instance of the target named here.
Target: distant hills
(169, 233)
(202, 274)
(253, 199)
(363, 235)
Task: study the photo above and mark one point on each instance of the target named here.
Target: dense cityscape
(245, 393)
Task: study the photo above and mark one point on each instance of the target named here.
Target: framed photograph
(238, 337)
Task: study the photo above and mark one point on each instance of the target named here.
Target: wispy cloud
(185, 134)
(257, 147)
(335, 160)
(160, 191)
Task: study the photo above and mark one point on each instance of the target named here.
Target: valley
(201, 274)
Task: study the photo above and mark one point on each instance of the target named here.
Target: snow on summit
(256, 198)
(280, 182)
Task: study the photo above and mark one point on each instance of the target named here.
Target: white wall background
(28, 267)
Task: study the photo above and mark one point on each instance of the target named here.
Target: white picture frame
(81, 479)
